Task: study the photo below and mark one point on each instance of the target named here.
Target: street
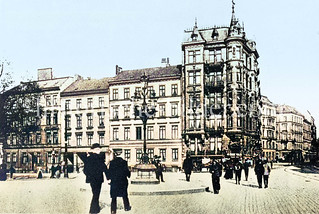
(291, 190)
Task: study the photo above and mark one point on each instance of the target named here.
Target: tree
(5, 78)
(21, 111)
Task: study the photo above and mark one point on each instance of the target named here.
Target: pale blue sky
(89, 37)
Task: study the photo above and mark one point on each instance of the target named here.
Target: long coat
(94, 167)
(188, 166)
(259, 168)
(118, 173)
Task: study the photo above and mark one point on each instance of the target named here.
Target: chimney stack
(45, 74)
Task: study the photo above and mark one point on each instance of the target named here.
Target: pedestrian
(118, 173)
(259, 170)
(53, 169)
(94, 167)
(228, 170)
(216, 170)
(246, 166)
(159, 171)
(40, 174)
(188, 167)
(3, 172)
(266, 173)
(58, 171)
(238, 168)
(11, 170)
(271, 163)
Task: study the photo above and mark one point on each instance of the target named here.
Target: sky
(91, 37)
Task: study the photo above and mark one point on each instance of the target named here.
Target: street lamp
(66, 141)
(145, 110)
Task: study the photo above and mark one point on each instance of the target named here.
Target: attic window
(215, 34)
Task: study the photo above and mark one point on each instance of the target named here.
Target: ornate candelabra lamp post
(144, 110)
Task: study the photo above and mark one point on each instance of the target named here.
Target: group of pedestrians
(117, 172)
(262, 170)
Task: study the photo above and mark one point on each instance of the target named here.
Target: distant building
(268, 129)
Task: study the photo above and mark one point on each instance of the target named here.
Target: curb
(170, 192)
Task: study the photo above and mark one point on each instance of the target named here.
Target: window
(48, 118)
(194, 56)
(55, 118)
(137, 91)
(126, 93)
(162, 132)
(194, 77)
(90, 120)
(115, 133)
(90, 138)
(126, 133)
(89, 102)
(115, 113)
(174, 110)
(78, 140)
(150, 153)
(127, 154)
(138, 133)
(79, 121)
(78, 103)
(101, 119)
(115, 94)
(14, 157)
(55, 138)
(138, 154)
(8, 157)
(194, 101)
(151, 91)
(126, 111)
(150, 132)
(101, 102)
(67, 104)
(48, 137)
(162, 90)
(174, 131)
(215, 56)
(174, 154)
(24, 157)
(48, 100)
(163, 154)
(55, 100)
(174, 90)
(101, 138)
(68, 121)
(162, 110)
(38, 138)
(194, 122)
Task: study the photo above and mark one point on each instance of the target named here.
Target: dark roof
(88, 86)
(153, 74)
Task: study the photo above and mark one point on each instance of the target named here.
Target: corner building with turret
(221, 91)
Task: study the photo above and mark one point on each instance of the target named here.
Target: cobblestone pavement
(291, 190)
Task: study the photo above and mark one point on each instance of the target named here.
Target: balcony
(215, 132)
(213, 86)
(214, 109)
(216, 67)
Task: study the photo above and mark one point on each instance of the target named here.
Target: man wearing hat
(118, 173)
(94, 167)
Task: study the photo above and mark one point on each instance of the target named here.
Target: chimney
(118, 69)
(165, 62)
(45, 74)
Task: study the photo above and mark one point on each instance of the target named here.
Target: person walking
(94, 167)
(259, 170)
(118, 173)
(266, 173)
(238, 168)
(246, 166)
(159, 171)
(216, 170)
(3, 172)
(188, 167)
(11, 170)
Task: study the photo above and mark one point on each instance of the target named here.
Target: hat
(95, 145)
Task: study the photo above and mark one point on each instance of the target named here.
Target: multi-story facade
(163, 129)
(43, 147)
(85, 115)
(268, 128)
(289, 131)
(221, 90)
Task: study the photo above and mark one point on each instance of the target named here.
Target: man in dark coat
(238, 168)
(188, 167)
(3, 172)
(216, 170)
(94, 167)
(259, 170)
(159, 171)
(118, 173)
(246, 169)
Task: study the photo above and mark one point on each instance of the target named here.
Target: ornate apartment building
(221, 90)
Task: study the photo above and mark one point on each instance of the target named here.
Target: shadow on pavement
(250, 185)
